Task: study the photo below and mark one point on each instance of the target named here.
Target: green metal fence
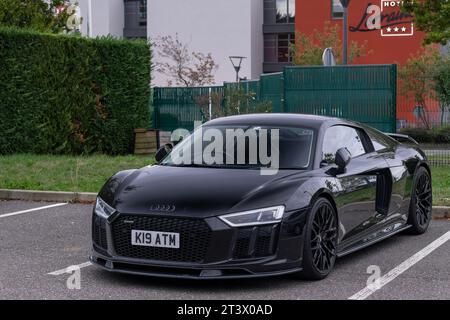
(362, 93)
(271, 88)
(179, 107)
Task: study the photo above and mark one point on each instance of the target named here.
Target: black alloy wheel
(319, 252)
(421, 202)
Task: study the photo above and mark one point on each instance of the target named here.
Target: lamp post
(236, 61)
(345, 4)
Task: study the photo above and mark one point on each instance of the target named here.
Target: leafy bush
(71, 95)
(435, 135)
(38, 15)
(442, 80)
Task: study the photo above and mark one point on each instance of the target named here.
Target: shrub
(442, 80)
(71, 95)
(435, 135)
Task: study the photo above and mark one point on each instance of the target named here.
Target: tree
(432, 17)
(182, 66)
(308, 50)
(39, 15)
(417, 78)
(442, 81)
(236, 100)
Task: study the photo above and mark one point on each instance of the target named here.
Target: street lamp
(236, 61)
(345, 4)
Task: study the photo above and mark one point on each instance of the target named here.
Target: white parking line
(70, 268)
(398, 270)
(30, 210)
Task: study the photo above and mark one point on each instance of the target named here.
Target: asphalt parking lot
(38, 244)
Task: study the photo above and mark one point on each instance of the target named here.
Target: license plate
(155, 239)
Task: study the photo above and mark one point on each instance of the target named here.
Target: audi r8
(339, 186)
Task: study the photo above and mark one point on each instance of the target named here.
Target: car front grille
(255, 242)
(195, 236)
(99, 233)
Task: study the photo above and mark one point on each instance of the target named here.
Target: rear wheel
(421, 202)
(319, 250)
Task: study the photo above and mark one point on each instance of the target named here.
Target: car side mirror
(163, 151)
(342, 158)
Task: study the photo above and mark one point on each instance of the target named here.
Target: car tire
(320, 241)
(420, 207)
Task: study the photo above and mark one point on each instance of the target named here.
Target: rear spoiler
(402, 138)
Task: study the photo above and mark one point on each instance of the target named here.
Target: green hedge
(71, 95)
(435, 135)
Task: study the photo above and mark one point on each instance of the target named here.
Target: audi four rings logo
(162, 207)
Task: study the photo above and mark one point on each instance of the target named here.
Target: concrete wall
(105, 17)
(222, 28)
(257, 37)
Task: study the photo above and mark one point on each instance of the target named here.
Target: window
(284, 41)
(270, 48)
(379, 140)
(337, 10)
(341, 137)
(142, 12)
(285, 11)
(294, 146)
(276, 47)
(291, 11)
(378, 144)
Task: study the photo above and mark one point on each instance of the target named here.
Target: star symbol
(396, 29)
(404, 29)
(389, 29)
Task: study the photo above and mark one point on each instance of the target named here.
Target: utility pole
(345, 4)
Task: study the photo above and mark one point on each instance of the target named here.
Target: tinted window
(341, 137)
(379, 140)
(294, 146)
(378, 144)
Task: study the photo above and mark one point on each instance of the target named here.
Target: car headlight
(103, 209)
(254, 217)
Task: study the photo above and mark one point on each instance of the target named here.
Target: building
(394, 42)
(222, 28)
(102, 17)
(260, 30)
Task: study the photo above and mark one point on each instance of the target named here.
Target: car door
(357, 199)
(398, 167)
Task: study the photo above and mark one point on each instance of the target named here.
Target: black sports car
(340, 186)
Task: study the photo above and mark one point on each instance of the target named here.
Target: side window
(341, 137)
(379, 141)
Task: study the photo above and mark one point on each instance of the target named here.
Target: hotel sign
(388, 18)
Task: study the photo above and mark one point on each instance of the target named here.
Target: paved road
(36, 243)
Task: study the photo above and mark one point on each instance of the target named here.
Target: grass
(63, 173)
(441, 185)
(88, 174)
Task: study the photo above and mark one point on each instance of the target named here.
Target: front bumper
(210, 248)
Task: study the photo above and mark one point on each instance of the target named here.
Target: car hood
(200, 192)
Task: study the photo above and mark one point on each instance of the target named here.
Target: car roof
(281, 119)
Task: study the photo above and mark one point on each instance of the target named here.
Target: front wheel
(319, 249)
(421, 202)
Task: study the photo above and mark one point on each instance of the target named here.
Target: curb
(439, 212)
(50, 196)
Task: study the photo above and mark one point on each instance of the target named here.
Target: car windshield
(237, 146)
